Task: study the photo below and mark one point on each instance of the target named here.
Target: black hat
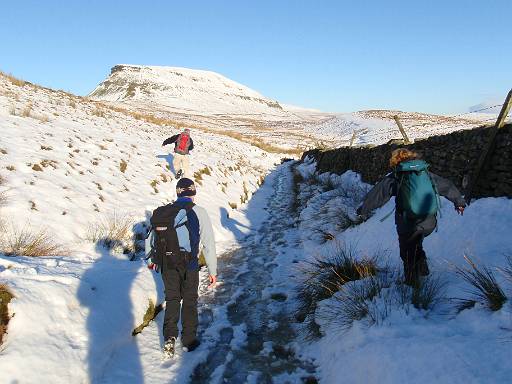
(185, 187)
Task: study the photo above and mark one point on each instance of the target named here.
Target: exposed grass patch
(233, 205)
(113, 232)
(372, 299)
(49, 163)
(245, 197)
(14, 80)
(27, 110)
(37, 168)
(153, 184)
(324, 276)
(26, 242)
(123, 165)
(5, 298)
(484, 287)
(11, 168)
(152, 312)
(99, 112)
(198, 175)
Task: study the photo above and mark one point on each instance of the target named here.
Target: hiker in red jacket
(183, 144)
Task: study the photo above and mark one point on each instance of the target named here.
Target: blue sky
(428, 56)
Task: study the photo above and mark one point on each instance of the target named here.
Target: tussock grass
(324, 276)
(245, 196)
(152, 312)
(153, 184)
(371, 300)
(27, 111)
(507, 270)
(198, 175)
(5, 298)
(123, 165)
(26, 242)
(484, 287)
(113, 232)
(14, 80)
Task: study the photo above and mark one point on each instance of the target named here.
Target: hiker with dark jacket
(183, 144)
(179, 231)
(417, 201)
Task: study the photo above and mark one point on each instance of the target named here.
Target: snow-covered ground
(62, 165)
(68, 163)
(378, 127)
(185, 90)
(410, 345)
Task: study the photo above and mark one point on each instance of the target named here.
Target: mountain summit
(183, 90)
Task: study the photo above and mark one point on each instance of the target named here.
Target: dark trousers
(180, 285)
(413, 256)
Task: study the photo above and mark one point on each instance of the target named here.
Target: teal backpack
(416, 195)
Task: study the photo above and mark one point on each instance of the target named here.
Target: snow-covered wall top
(183, 89)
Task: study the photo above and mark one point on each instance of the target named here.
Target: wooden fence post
(402, 130)
(352, 139)
(489, 146)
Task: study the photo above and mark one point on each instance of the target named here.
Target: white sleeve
(207, 239)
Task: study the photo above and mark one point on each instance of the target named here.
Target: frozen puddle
(247, 323)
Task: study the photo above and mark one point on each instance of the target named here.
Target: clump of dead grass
(5, 298)
(27, 242)
(114, 231)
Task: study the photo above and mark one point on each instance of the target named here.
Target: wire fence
(475, 123)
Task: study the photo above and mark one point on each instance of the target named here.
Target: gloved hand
(153, 267)
(213, 281)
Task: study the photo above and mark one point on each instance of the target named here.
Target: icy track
(246, 325)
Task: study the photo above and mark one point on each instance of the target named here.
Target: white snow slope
(73, 314)
(185, 90)
(378, 127)
(408, 345)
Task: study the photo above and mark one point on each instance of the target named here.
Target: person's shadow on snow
(105, 291)
(169, 158)
(231, 224)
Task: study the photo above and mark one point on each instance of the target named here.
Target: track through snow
(246, 323)
(256, 342)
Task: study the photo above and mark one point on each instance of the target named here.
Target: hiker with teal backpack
(417, 203)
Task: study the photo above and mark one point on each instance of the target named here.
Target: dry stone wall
(453, 156)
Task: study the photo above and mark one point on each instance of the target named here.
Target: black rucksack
(171, 242)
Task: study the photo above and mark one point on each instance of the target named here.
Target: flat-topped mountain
(183, 90)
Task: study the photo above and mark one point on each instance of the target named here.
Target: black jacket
(173, 139)
(387, 187)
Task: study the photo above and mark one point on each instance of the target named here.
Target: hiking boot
(169, 348)
(191, 346)
(179, 174)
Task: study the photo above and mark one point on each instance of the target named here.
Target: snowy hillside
(378, 126)
(71, 168)
(185, 90)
